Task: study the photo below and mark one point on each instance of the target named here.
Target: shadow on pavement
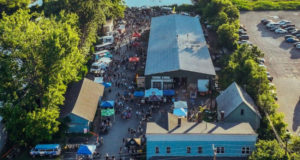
(296, 119)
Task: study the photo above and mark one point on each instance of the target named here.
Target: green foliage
(38, 58)
(224, 18)
(10, 6)
(294, 147)
(267, 4)
(227, 35)
(267, 150)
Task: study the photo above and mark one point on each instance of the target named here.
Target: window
(242, 111)
(156, 85)
(188, 149)
(156, 150)
(245, 150)
(168, 149)
(199, 149)
(220, 150)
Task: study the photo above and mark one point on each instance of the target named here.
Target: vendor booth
(106, 84)
(180, 112)
(138, 93)
(86, 151)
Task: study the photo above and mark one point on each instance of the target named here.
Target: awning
(203, 85)
(169, 92)
(106, 84)
(86, 150)
(107, 112)
(180, 112)
(180, 104)
(153, 91)
(139, 93)
(107, 104)
(134, 59)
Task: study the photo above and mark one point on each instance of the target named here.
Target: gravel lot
(282, 61)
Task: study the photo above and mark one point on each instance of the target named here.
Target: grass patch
(257, 5)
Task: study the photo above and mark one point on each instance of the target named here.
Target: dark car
(288, 25)
(244, 37)
(292, 40)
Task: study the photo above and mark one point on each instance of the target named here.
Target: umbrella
(135, 44)
(138, 93)
(107, 112)
(134, 59)
(106, 84)
(135, 34)
(86, 149)
(169, 92)
(107, 104)
(180, 112)
(180, 104)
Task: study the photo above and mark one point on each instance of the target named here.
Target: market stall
(86, 151)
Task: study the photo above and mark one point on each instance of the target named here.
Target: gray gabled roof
(177, 42)
(232, 97)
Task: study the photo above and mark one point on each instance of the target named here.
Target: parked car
(272, 24)
(261, 60)
(280, 31)
(298, 46)
(287, 25)
(244, 42)
(298, 35)
(244, 37)
(283, 22)
(296, 43)
(290, 28)
(288, 36)
(274, 28)
(292, 40)
(243, 27)
(295, 33)
(266, 21)
(262, 65)
(292, 31)
(270, 78)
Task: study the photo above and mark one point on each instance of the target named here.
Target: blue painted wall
(179, 148)
(77, 124)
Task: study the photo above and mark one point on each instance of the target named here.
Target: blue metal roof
(47, 146)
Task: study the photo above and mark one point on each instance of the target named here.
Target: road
(282, 61)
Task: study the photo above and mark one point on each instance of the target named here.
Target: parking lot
(282, 60)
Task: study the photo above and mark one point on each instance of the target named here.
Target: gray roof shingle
(177, 42)
(232, 97)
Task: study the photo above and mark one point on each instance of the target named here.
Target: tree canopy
(39, 56)
(267, 150)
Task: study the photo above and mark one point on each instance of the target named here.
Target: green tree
(39, 56)
(294, 147)
(10, 6)
(267, 150)
(227, 36)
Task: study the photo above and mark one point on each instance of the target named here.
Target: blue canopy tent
(180, 112)
(106, 84)
(153, 91)
(86, 150)
(107, 104)
(169, 92)
(139, 93)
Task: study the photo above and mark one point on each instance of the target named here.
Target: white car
(298, 46)
(280, 31)
(283, 22)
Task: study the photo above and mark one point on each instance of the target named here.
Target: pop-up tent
(134, 59)
(180, 112)
(203, 85)
(135, 34)
(105, 60)
(98, 80)
(139, 93)
(180, 104)
(107, 104)
(107, 112)
(169, 92)
(86, 150)
(153, 91)
(106, 84)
